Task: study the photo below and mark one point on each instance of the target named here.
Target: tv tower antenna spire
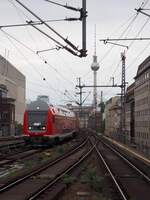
(95, 42)
(95, 67)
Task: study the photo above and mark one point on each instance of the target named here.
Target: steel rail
(51, 183)
(110, 172)
(127, 161)
(5, 187)
(11, 146)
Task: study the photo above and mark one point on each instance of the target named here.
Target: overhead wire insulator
(72, 19)
(70, 44)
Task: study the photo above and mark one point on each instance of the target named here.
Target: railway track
(54, 187)
(47, 189)
(7, 148)
(9, 164)
(122, 178)
(129, 180)
(35, 180)
(12, 152)
(10, 138)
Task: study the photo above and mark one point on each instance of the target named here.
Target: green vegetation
(107, 175)
(92, 178)
(12, 175)
(41, 158)
(44, 176)
(92, 131)
(18, 128)
(60, 149)
(69, 179)
(29, 164)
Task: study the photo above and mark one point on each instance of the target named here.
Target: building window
(5, 115)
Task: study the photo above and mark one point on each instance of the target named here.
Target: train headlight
(43, 128)
(29, 127)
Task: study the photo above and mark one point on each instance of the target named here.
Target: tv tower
(95, 67)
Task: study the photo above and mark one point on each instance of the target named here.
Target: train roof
(37, 105)
(56, 110)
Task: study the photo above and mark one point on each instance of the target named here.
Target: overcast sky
(113, 19)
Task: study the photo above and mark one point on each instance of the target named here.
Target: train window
(53, 118)
(37, 117)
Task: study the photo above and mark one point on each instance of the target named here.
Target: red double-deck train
(45, 124)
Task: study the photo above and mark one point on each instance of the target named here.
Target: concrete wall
(15, 83)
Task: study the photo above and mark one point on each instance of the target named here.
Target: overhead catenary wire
(140, 53)
(133, 18)
(52, 29)
(30, 64)
(136, 34)
(25, 46)
(84, 70)
(67, 64)
(20, 13)
(125, 32)
(34, 52)
(40, 19)
(141, 29)
(131, 64)
(42, 59)
(25, 58)
(65, 6)
(27, 24)
(60, 44)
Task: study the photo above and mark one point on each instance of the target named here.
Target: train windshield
(37, 120)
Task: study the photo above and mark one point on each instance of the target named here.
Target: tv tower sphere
(95, 65)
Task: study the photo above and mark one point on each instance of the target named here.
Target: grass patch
(41, 158)
(107, 175)
(69, 179)
(29, 164)
(92, 178)
(44, 177)
(60, 149)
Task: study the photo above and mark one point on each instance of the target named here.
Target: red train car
(45, 125)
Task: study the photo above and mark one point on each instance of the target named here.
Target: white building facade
(14, 80)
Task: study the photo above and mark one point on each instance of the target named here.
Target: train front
(37, 123)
